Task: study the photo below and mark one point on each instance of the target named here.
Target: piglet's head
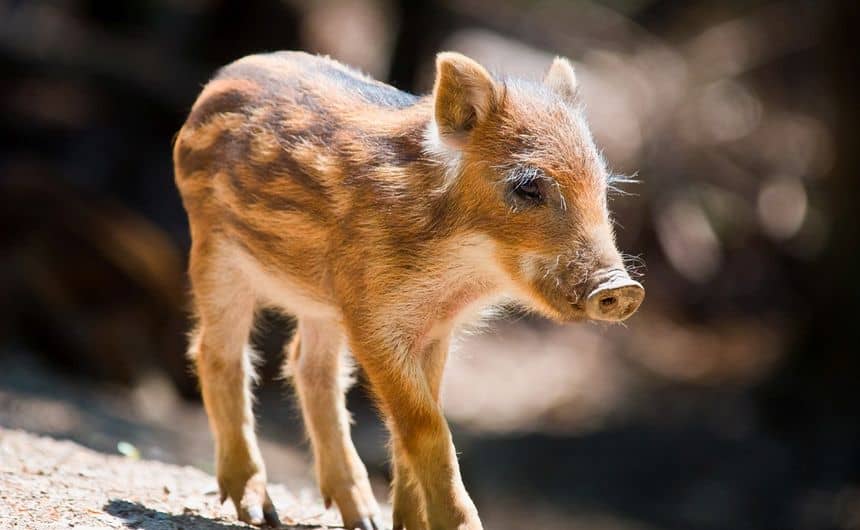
(528, 176)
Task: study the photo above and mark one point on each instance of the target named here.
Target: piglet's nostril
(608, 302)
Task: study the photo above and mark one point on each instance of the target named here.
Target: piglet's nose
(614, 297)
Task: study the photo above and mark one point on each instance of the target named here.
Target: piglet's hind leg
(225, 306)
(322, 376)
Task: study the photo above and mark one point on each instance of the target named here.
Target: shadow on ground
(138, 516)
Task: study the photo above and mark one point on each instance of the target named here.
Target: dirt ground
(47, 484)
(160, 426)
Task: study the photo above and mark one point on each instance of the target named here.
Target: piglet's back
(285, 152)
(278, 112)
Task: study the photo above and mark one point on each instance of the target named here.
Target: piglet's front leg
(430, 452)
(422, 440)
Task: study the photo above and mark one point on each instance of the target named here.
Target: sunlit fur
(383, 221)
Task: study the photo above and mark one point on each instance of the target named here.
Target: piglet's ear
(463, 95)
(562, 80)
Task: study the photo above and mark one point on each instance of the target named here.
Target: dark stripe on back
(228, 147)
(254, 192)
(377, 93)
(251, 234)
(398, 150)
(271, 81)
(349, 80)
(227, 101)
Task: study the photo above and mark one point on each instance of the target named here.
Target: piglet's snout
(614, 296)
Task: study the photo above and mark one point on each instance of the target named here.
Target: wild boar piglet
(382, 221)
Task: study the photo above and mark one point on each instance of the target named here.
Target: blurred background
(728, 402)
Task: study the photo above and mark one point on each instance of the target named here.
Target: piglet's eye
(529, 191)
(526, 187)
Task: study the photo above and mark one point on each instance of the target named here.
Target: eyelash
(526, 187)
